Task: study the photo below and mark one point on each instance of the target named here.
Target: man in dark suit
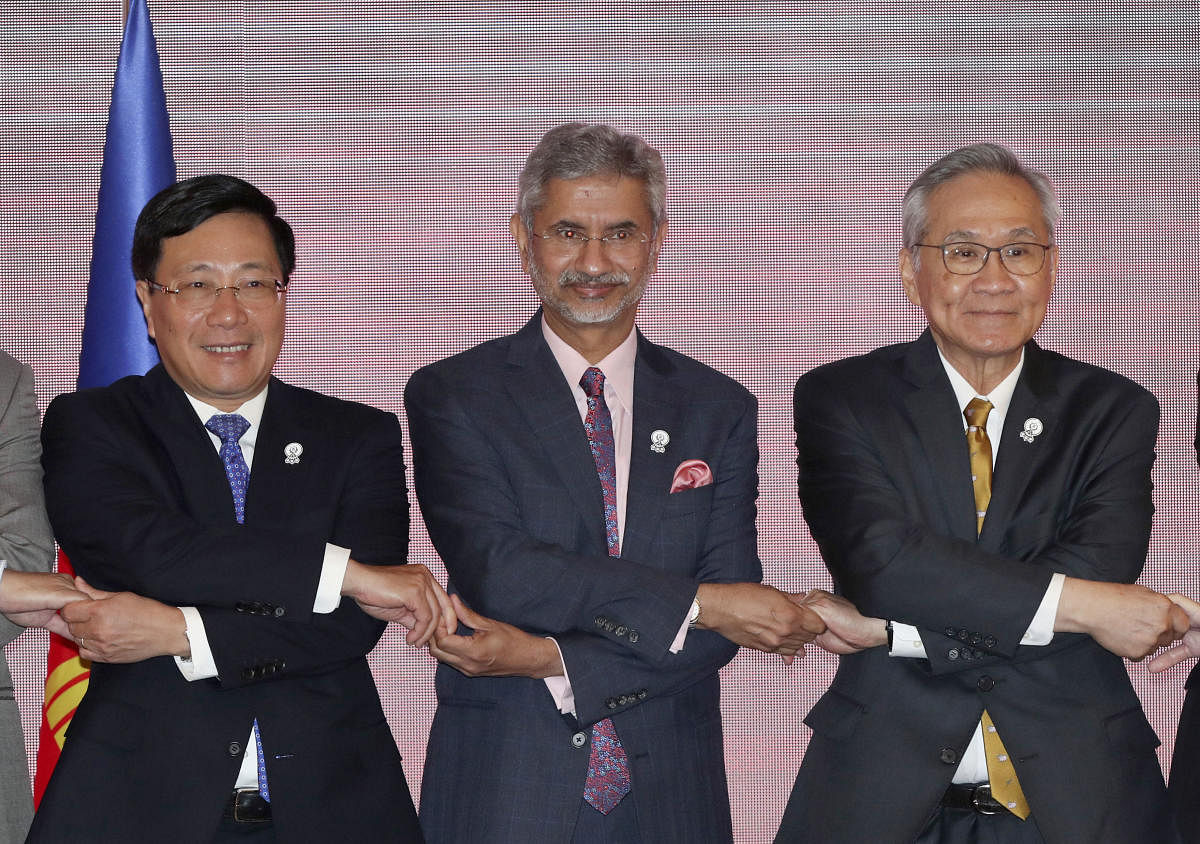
(1185, 760)
(28, 594)
(218, 515)
(585, 484)
(1002, 710)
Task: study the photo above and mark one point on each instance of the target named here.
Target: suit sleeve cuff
(906, 641)
(201, 665)
(560, 687)
(1041, 629)
(333, 572)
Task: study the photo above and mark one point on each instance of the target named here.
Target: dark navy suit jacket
(885, 483)
(139, 501)
(508, 489)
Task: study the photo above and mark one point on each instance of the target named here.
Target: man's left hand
(847, 630)
(495, 649)
(124, 627)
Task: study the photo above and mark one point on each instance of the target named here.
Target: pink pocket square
(691, 474)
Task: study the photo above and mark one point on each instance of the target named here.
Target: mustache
(574, 278)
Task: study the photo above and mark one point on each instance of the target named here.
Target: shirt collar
(1001, 395)
(251, 410)
(617, 365)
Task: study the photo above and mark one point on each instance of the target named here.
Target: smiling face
(591, 287)
(981, 321)
(223, 354)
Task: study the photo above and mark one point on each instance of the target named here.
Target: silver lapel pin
(659, 440)
(291, 453)
(1033, 427)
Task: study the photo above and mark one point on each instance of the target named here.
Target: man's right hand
(1124, 618)
(757, 616)
(408, 595)
(849, 630)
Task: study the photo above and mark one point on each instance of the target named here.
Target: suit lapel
(171, 420)
(934, 411)
(1035, 397)
(658, 404)
(536, 386)
(274, 483)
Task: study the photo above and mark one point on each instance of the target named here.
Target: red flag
(138, 163)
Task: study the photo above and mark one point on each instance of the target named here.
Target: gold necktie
(1002, 776)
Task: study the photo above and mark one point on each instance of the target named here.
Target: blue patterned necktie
(230, 427)
(608, 767)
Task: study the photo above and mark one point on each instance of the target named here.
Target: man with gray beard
(593, 497)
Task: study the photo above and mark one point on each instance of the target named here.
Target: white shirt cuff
(906, 641)
(560, 686)
(1041, 629)
(677, 644)
(3, 566)
(333, 572)
(201, 665)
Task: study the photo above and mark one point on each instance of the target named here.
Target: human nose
(593, 257)
(226, 307)
(993, 275)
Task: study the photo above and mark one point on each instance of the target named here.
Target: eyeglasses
(619, 243)
(197, 294)
(965, 258)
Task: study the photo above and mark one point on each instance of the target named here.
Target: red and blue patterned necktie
(608, 767)
(230, 427)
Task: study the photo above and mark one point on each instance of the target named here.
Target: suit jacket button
(948, 755)
(985, 683)
(963, 634)
(600, 620)
(622, 630)
(248, 673)
(952, 653)
(975, 639)
(634, 636)
(611, 703)
(235, 748)
(950, 631)
(579, 739)
(609, 626)
(279, 612)
(642, 694)
(240, 606)
(989, 642)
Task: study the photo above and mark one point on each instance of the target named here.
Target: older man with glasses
(988, 502)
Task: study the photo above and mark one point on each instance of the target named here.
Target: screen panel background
(391, 135)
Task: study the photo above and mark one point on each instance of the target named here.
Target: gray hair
(576, 150)
(976, 158)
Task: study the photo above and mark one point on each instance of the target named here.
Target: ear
(908, 275)
(144, 294)
(521, 235)
(656, 247)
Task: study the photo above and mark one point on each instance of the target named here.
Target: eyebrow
(202, 266)
(960, 235)
(625, 225)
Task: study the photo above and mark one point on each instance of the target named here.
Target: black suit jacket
(509, 492)
(139, 500)
(886, 487)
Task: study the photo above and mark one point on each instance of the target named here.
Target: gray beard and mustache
(600, 312)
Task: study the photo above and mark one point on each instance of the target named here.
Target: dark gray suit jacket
(508, 489)
(140, 502)
(26, 543)
(886, 486)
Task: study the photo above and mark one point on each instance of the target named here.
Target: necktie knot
(228, 426)
(592, 382)
(977, 412)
